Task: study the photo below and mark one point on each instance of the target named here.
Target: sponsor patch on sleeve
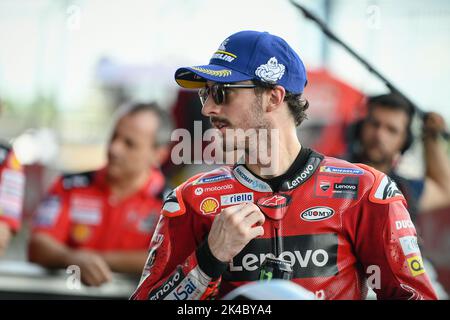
(415, 265)
(11, 193)
(409, 245)
(173, 205)
(385, 190)
(47, 212)
(182, 287)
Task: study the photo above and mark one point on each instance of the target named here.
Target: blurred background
(66, 65)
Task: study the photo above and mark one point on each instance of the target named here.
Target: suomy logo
(317, 213)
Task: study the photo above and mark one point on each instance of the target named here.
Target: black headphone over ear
(409, 140)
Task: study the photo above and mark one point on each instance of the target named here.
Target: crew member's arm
(50, 253)
(5, 236)
(437, 175)
(48, 243)
(386, 243)
(125, 261)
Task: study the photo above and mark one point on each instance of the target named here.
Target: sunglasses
(218, 91)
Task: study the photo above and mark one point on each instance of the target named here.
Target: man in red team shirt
(102, 221)
(12, 182)
(339, 226)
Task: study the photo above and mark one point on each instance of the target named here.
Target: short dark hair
(297, 103)
(391, 101)
(165, 121)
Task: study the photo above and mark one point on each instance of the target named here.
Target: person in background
(102, 221)
(385, 134)
(12, 185)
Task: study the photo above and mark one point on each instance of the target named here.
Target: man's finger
(94, 275)
(103, 271)
(256, 232)
(237, 212)
(235, 208)
(247, 209)
(87, 277)
(254, 218)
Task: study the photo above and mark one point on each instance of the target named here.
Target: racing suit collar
(303, 167)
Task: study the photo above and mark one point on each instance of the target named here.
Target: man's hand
(233, 228)
(5, 236)
(94, 270)
(433, 125)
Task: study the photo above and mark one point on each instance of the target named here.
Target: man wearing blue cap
(330, 226)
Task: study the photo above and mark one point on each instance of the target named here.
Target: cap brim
(195, 77)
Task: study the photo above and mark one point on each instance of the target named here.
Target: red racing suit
(345, 228)
(12, 185)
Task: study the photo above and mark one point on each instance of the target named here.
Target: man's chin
(377, 158)
(113, 171)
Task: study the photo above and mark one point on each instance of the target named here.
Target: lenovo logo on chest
(310, 256)
(251, 262)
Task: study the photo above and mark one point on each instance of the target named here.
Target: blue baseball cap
(249, 55)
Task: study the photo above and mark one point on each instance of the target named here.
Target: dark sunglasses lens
(218, 94)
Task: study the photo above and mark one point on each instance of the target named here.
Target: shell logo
(81, 233)
(14, 162)
(209, 205)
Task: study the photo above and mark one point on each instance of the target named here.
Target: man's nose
(114, 148)
(381, 133)
(210, 108)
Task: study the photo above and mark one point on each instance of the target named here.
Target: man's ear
(396, 158)
(161, 155)
(276, 98)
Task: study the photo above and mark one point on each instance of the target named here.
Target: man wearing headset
(385, 134)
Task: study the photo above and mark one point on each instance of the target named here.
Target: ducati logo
(324, 185)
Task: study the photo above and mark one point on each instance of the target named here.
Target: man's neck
(287, 150)
(123, 187)
(383, 167)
